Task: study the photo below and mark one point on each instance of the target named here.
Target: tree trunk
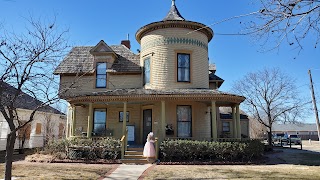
(11, 139)
(270, 146)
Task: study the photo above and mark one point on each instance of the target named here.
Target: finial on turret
(173, 3)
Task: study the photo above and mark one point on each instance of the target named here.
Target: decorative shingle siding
(163, 60)
(174, 40)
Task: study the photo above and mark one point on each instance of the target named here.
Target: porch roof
(152, 94)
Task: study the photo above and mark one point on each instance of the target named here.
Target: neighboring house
(305, 131)
(227, 124)
(168, 88)
(48, 122)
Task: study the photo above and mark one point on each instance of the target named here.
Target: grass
(298, 164)
(302, 158)
(235, 172)
(57, 171)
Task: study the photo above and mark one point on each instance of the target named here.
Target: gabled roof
(102, 47)
(80, 60)
(173, 14)
(24, 101)
(294, 127)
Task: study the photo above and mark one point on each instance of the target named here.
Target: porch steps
(134, 156)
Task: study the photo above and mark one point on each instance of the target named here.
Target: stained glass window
(184, 121)
(183, 67)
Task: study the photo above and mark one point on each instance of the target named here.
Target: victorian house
(169, 88)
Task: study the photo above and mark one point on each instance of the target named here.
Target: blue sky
(91, 21)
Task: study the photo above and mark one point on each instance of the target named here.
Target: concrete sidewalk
(128, 172)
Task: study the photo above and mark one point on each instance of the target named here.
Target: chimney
(126, 42)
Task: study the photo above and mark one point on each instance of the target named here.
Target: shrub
(187, 150)
(79, 148)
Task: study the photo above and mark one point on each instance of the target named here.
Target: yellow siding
(112, 121)
(163, 60)
(86, 84)
(124, 81)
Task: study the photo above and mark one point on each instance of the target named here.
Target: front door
(147, 124)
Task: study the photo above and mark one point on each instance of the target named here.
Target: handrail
(124, 141)
(157, 148)
(122, 138)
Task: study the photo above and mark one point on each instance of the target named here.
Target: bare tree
(27, 62)
(290, 21)
(271, 96)
(48, 124)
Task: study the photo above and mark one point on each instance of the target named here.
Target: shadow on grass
(16, 156)
(294, 156)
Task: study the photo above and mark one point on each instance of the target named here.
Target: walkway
(128, 172)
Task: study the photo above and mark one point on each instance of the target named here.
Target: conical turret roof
(173, 14)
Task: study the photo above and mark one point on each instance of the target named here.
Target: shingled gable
(102, 49)
(81, 60)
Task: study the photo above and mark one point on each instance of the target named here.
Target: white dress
(148, 150)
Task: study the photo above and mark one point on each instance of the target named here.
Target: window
(38, 128)
(184, 121)
(99, 121)
(226, 126)
(121, 116)
(183, 68)
(101, 81)
(146, 71)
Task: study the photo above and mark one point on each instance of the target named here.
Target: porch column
(238, 121)
(234, 121)
(73, 127)
(163, 121)
(90, 121)
(124, 123)
(214, 120)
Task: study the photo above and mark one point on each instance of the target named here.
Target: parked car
(280, 138)
(295, 139)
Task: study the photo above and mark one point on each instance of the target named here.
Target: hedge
(78, 148)
(188, 150)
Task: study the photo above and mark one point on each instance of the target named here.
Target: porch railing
(157, 147)
(124, 142)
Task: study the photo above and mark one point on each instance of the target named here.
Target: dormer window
(183, 73)
(101, 75)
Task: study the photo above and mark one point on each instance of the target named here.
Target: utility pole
(314, 104)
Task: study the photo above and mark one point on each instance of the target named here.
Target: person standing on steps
(149, 150)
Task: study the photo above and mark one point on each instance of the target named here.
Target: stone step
(133, 153)
(134, 157)
(134, 161)
(135, 149)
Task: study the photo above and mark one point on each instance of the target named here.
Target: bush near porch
(84, 149)
(188, 150)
